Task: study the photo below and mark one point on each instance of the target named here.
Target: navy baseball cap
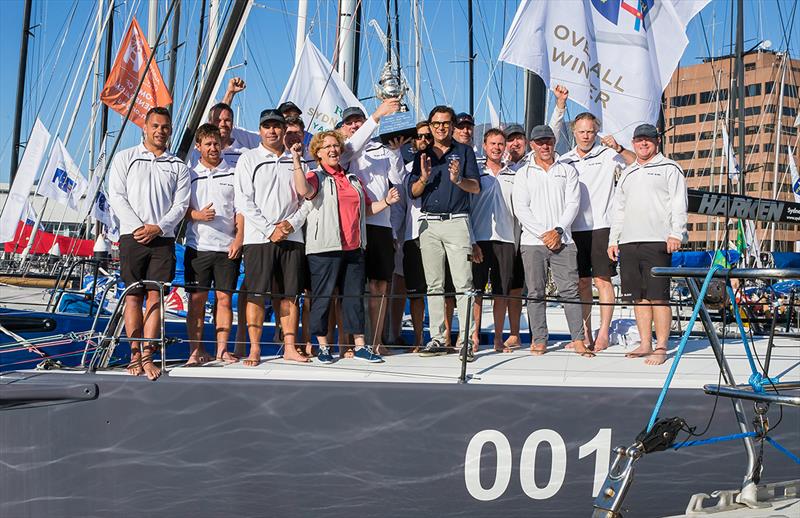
(542, 131)
(271, 114)
(464, 118)
(513, 129)
(645, 130)
(289, 106)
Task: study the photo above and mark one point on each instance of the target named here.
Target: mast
(346, 46)
(200, 32)
(152, 23)
(300, 38)
(740, 87)
(95, 88)
(173, 52)
(778, 132)
(417, 60)
(535, 96)
(107, 70)
(471, 61)
(23, 63)
(213, 27)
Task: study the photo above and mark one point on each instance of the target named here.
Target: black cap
(352, 112)
(271, 114)
(338, 125)
(645, 130)
(513, 129)
(289, 106)
(464, 118)
(542, 131)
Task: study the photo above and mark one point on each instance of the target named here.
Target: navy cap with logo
(271, 114)
(514, 129)
(645, 130)
(289, 106)
(352, 112)
(542, 131)
(464, 118)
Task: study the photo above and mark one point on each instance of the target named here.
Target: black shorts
(518, 280)
(497, 265)
(379, 258)
(593, 260)
(202, 270)
(635, 261)
(414, 272)
(281, 262)
(154, 261)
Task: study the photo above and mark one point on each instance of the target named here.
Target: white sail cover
(61, 180)
(615, 56)
(23, 181)
(318, 90)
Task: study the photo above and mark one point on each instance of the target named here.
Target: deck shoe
(325, 356)
(433, 348)
(366, 354)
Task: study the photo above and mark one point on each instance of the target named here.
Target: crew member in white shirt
(546, 198)
(598, 165)
(648, 224)
(493, 228)
(379, 167)
(149, 188)
(214, 236)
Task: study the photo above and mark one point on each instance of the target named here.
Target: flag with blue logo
(615, 56)
(61, 180)
(29, 216)
(101, 211)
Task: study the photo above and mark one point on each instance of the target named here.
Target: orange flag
(126, 74)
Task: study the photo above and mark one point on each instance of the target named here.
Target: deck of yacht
(559, 367)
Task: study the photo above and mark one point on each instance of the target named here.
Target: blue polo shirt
(441, 196)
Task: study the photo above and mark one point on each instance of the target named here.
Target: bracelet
(620, 149)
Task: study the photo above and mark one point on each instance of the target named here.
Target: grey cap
(645, 130)
(271, 114)
(513, 129)
(542, 131)
(351, 112)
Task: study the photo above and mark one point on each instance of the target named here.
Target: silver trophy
(401, 123)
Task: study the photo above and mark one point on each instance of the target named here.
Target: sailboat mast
(347, 43)
(417, 60)
(300, 38)
(778, 132)
(471, 60)
(740, 89)
(535, 96)
(23, 64)
(106, 71)
(173, 51)
(95, 88)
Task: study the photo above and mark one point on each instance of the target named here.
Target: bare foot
(500, 347)
(293, 355)
(581, 349)
(642, 350)
(476, 342)
(150, 369)
(198, 358)
(513, 342)
(134, 368)
(600, 343)
(657, 357)
(382, 350)
(569, 346)
(309, 350)
(227, 357)
(538, 349)
(251, 361)
(414, 349)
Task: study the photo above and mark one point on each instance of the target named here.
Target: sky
(265, 55)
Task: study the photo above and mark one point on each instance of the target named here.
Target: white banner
(733, 164)
(101, 211)
(494, 118)
(61, 180)
(26, 174)
(795, 176)
(615, 56)
(317, 89)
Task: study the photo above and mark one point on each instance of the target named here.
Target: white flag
(494, 118)
(615, 56)
(29, 216)
(795, 176)
(62, 181)
(317, 89)
(101, 211)
(21, 189)
(733, 165)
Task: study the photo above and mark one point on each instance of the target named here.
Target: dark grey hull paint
(208, 448)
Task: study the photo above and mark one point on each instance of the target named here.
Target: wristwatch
(559, 231)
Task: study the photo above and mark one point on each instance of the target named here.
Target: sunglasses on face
(425, 136)
(441, 124)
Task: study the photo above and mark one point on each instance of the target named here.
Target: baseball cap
(645, 130)
(542, 131)
(464, 118)
(513, 129)
(287, 106)
(352, 112)
(271, 114)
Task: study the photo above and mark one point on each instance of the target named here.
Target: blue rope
(783, 450)
(712, 440)
(684, 339)
(757, 387)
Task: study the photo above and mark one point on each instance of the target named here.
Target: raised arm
(356, 143)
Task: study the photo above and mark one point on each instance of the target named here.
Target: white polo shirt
(148, 189)
(650, 203)
(266, 195)
(491, 214)
(215, 186)
(379, 168)
(597, 172)
(544, 200)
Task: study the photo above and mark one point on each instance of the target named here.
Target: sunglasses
(440, 124)
(426, 136)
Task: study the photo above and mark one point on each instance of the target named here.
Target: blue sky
(267, 48)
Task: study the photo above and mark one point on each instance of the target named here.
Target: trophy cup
(401, 123)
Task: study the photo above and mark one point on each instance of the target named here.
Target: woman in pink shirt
(335, 239)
